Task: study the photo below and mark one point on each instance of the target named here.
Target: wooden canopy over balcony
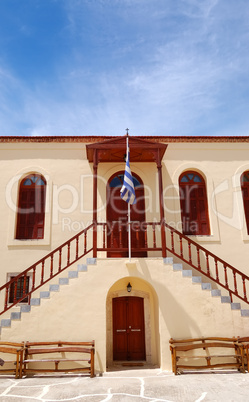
(114, 150)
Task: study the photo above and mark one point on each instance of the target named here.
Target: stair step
(245, 313)
(54, 288)
(216, 292)
(15, 315)
(168, 260)
(73, 274)
(63, 281)
(187, 273)
(35, 302)
(6, 322)
(235, 306)
(91, 261)
(225, 299)
(177, 267)
(82, 268)
(206, 286)
(44, 295)
(196, 279)
(25, 308)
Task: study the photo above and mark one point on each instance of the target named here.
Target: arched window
(245, 194)
(31, 208)
(194, 207)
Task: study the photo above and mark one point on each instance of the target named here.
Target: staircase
(235, 282)
(48, 267)
(69, 277)
(206, 286)
(36, 301)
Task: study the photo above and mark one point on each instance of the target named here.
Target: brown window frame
(194, 204)
(31, 208)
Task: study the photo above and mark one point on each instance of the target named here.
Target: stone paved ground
(151, 385)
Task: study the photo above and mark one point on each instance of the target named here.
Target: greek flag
(127, 191)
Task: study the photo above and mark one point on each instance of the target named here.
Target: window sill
(25, 243)
(204, 238)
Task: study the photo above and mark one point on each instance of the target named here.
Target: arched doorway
(117, 209)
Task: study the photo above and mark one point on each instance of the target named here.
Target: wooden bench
(205, 353)
(38, 354)
(243, 344)
(11, 354)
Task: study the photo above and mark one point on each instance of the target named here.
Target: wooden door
(128, 328)
(117, 218)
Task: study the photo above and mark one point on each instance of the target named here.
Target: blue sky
(96, 67)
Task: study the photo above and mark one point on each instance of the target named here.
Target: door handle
(135, 330)
(120, 330)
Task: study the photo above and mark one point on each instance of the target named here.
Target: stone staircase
(72, 274)
(205, 286)
(36, 301)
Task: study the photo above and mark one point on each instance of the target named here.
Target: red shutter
(31, 208)
(194, 207)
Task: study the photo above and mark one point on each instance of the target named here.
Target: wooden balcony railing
(145, 236)
(46, 268)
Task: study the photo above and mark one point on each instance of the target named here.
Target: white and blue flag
(127, 191)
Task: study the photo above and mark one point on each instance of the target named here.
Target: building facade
(65, 272)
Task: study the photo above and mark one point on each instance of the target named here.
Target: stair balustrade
(21, 287)
(16, 290)
(207, 263)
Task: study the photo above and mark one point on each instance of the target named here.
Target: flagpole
(129, 231)
(129, 212)
(127, 192)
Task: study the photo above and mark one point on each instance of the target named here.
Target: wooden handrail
(48, 267)
(212, 266)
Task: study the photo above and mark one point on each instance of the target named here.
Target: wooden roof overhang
(114, 150)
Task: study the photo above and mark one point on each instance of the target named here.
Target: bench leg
(92, 363)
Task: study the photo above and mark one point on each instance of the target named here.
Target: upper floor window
(245, 194)
(31, 208)
(194, 207)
